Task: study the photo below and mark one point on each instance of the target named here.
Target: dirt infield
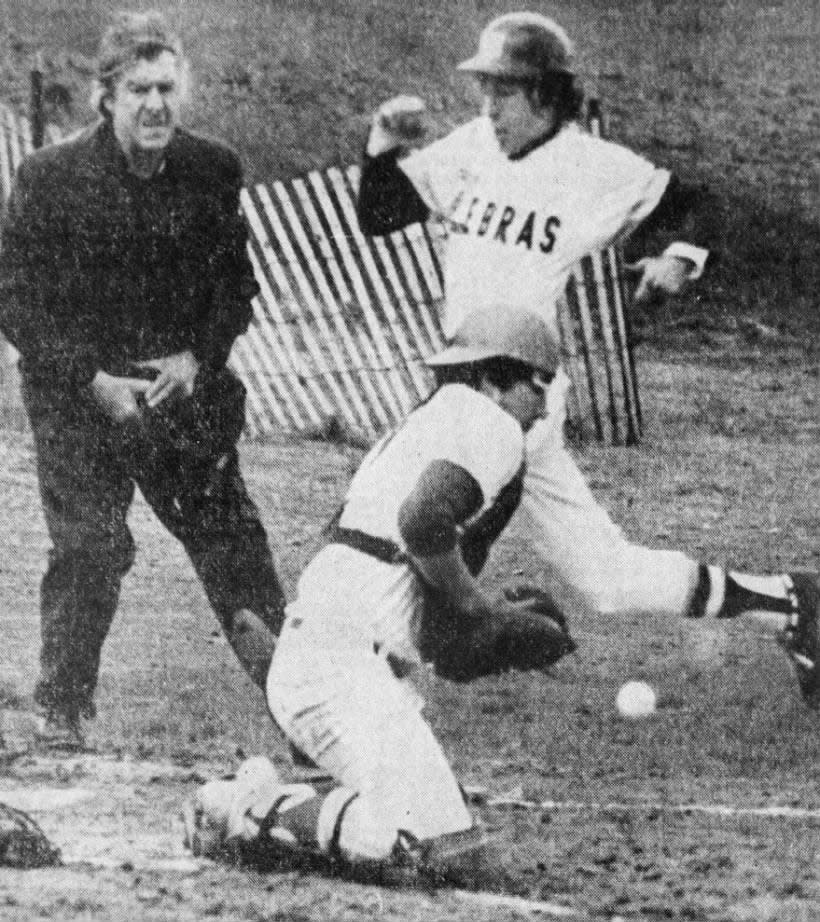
(708, 810)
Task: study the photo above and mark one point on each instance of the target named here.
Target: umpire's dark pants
(184, 460)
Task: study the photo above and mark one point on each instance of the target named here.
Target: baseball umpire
(123, 284)
(395, 586)
(524, 194)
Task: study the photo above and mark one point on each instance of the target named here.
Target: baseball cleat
(801, 636)
(58, 729)
(223, 813)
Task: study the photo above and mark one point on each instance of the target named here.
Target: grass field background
(725, 93)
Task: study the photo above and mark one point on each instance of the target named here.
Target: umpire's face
(146, 102)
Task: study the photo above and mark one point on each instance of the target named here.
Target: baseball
(636, 699)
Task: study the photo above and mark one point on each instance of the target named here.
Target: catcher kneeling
(394, 587)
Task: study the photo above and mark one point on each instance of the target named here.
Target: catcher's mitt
(465, 647)
(22, 843)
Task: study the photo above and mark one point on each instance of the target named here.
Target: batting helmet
(522, 46)
(502, 332)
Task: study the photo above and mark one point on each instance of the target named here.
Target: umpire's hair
(132, 37)
(500, 371)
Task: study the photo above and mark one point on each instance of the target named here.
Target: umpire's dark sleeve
(232, 277)
(387, 200)
(53, 343)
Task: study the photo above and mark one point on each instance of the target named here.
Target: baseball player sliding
(524, 194)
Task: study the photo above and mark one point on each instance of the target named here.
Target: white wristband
(381, 141)
(694, 254)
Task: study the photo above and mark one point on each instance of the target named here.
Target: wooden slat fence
(343, 322)
(15, 143)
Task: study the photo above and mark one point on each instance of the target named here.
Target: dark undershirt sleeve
(445, 496)
(387, 200)
(682, 214)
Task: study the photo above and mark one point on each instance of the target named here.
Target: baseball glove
(465, 647)
(22, 843)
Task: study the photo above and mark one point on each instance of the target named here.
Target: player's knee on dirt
(252, 643)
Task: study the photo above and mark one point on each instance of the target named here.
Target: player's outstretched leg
(591, 565)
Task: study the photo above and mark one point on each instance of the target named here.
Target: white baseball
(636, 699)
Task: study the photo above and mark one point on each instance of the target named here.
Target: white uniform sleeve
(437, 170)
(696, 255)
(618, 190)
(481, 438)
(458, 425)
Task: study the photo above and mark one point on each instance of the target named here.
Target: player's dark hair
(503, 373)
(563, 92)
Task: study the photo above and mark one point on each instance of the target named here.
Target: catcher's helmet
(502, 332)
(522, 46)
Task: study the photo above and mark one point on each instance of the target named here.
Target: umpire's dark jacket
(99, 268)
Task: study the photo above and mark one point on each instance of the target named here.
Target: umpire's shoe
(60, 729)
(59, 717)
(801, 636)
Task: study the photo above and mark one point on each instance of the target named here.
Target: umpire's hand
(175, 377)
(117, 396)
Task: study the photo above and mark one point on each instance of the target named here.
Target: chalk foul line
(726, 810)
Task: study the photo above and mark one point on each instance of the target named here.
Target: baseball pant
(87, 470)
(342, 705)
(587, 560)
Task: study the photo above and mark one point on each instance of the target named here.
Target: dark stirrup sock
(769, 593)
(723, 594)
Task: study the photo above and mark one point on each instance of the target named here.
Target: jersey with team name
(517, 227)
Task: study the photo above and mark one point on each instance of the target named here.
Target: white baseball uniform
(515, 230)
(333, 687)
